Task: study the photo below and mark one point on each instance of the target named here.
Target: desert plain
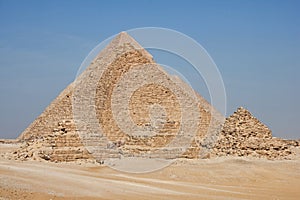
(217, 178)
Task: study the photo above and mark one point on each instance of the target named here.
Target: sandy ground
(230, 178)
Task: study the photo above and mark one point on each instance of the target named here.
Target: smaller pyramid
(245, 135)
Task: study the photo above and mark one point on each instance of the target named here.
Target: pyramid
(114, 108)
(245, 135)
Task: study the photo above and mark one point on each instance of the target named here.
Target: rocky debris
(244, 135)
(8, 141)
(63, 145)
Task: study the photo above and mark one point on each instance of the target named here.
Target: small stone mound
(62, 145)
(244, 135)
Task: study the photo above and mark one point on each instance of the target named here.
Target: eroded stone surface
(244, 135)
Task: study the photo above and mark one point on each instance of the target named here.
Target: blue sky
(255, 44)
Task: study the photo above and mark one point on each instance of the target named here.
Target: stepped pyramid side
(244, 135)
(54, 136)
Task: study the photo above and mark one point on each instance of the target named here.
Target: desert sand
(218, 178)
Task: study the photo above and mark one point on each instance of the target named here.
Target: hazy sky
(255, 44)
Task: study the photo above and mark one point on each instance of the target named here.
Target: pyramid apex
(123, 37)
(242, 109)
(124, 33)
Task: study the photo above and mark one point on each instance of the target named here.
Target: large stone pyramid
(90, 118)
